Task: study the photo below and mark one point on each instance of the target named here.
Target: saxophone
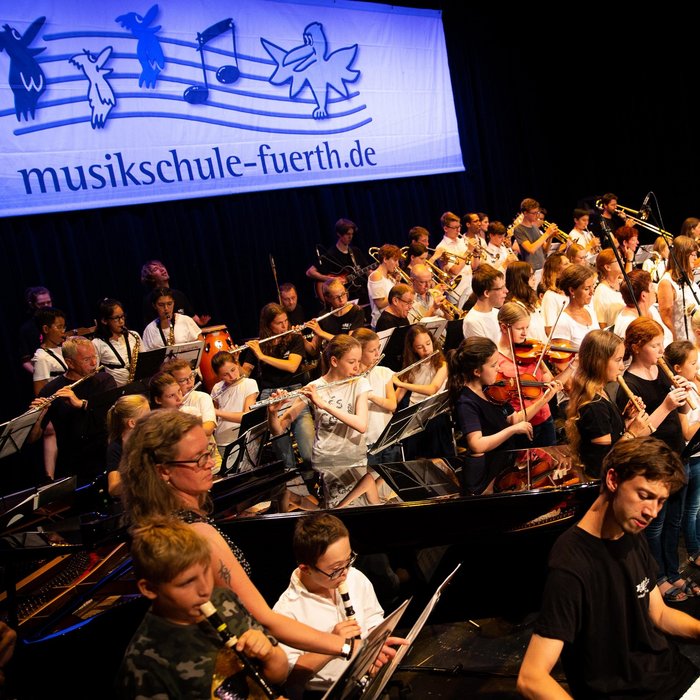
(134, 356)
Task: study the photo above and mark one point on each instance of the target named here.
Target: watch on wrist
(346, 651)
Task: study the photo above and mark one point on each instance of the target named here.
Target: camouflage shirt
(165, 660)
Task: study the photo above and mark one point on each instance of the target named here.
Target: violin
(559, 349)
(505, 388)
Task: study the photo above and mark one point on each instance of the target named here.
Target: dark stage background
(553, 108)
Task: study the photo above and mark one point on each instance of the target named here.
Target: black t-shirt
(269, 377)
(353, 319)
(387, 320)
(597, 418)
(81, 435)
(334, 261)
(296, 317)
(597, 602)
(598, 223)
(653, 392)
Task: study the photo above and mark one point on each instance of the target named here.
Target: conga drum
(216, 338)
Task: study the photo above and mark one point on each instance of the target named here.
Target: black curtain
(548, 107)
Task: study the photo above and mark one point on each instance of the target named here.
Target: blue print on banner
(227, 74)
(100, 95)
(27, 80)
(148, 48)
(311, 64)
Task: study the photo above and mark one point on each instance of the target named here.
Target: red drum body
(216, 338)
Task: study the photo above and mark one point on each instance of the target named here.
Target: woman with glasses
(167, 470)
(169, 328)
(116, 346)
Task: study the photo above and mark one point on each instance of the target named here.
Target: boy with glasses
(322, 550)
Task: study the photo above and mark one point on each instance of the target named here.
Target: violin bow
(549, 339)
(520, 394)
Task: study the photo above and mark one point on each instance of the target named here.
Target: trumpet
(563, 237)
(451, 311)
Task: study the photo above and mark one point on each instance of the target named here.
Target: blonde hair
(125, 409)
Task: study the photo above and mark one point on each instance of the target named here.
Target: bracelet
(346, 650)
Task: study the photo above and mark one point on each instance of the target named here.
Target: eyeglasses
(199, 464)
(188, 378)
(338, 297)
(336, 573)
(406, 301)
(455, 227)
(117, 318)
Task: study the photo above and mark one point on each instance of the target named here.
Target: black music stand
(356, 680)
(149, 361)
(411, 420)
(388, 670)
(454, 335)
(391, 345)
(15, 432)
(244, 453)
(435, 325)
(26, 502)
(419, 479)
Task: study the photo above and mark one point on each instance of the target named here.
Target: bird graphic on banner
(27, 80)
(148, 49)
(100, 95)
(311, 64)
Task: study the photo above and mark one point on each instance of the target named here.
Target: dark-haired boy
(322, 550)
(175, 652)
(601, 609)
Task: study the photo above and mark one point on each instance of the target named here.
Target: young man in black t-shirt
(601, 610)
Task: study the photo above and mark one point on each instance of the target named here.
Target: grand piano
(69, 589)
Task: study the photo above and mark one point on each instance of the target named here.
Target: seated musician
(627, 241)
(485, 425)
(153, 276)
(489, 287)
(349, 319)
(424, 303)
(117, 347)
(383, 279)
(415, 253)
(601, 610)
(29, 332)
(172, 563)
(401, 298)
(324, 556)
(289, 300)
(170, 328)
(420, 235)
(48, 359)
(80, 425)
(233, 395)
(607, 300)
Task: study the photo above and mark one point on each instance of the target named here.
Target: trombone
(402, 275)
(639, 218)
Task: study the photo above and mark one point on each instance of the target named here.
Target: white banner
(121, 102)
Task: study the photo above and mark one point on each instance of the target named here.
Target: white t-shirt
(200, 404)
(481, 323)
(552, 302)
(324, 614)
(231, 399)
(48, 364)
(117, 356)
(423, 374)
(626, 316)
(186, 330)
(607, 304)
(570, 329)
(377, 418)
(378, 290)
(536, 328)
(335, 443)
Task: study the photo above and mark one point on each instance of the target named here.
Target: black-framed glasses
(336, 573)
(199, 464)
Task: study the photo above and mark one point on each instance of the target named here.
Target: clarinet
(347, 605)
(230, 640)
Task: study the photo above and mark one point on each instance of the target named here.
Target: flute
(194, 388)
(299, 392)
(666, 370)
(240, 348)
(415, 364)
(50, 399)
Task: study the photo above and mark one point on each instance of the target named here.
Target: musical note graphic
(227, 74)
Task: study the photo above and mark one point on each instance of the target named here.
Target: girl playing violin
(515, 317)
(340, 421)
(485, 425)
(663, 400)
(594, 422)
